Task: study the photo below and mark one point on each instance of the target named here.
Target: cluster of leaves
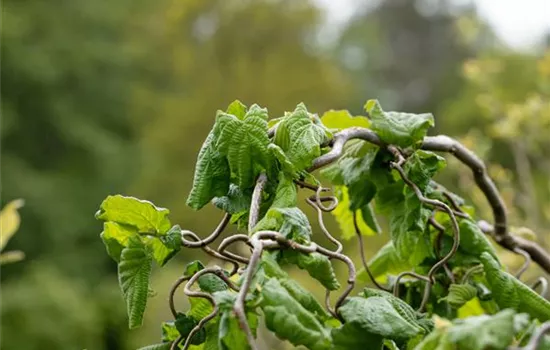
(490, 309)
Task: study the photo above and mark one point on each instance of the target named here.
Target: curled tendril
(526, 262)
(433, 203)
(322, 225)
(543, 283)
(198, 243)
(441, 232)
(362, 254)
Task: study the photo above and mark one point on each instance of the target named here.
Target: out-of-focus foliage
(9, 223)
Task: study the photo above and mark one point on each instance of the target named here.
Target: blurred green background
(103, 97)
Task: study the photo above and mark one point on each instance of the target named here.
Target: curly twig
(322, 225)
(537, 337)
(256, 201)
(441, 232)
(215, 254)
(201, 243)
(362, 254)
(434, 203)
(543, 282)
(526, 263)
(447, 144)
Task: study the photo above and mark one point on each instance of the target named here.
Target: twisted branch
(447, 144)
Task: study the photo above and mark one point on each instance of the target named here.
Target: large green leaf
(244, 143)
(386, 261)
(143, 215)
(376, 315)
(211, 174)
(401, 129)
(289, 320)
(317, 265)
(300, 136)
(342, 119)
(185, 324)
(473, 241)
(134, 271)
(286, 194)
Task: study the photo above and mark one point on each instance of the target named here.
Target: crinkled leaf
(343, 214)
(289, 320)
(134, 270)
(231, 336)
(235, 201)
(300, 136)
(317, 265)
(483, 332)
(421, 166)
(141, 214)
(342, 119)
(402, 308)
(211, 177)
(386, 261)
(460, 294)
(200, 308)
(397, 128)
(377, 316)
(237, 108)
(244, 143)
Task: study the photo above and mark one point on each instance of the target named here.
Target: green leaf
(460, 294)
(402, 308)
(134, 271)
(143, 215)
(171, 245)
(473, 241)
(200, 308)
(285, 164)
(352, 337)
(300, 136)
(235, 201)
(344, 216)
(286, 195)
(212, 174)
(115, 237)
(483, 332)
(231, 336)
(377, 316)
(396, 128)
(342, 119)
(209, 282)
(244, 143)
(421, 166)
(317, 265)
(169, 331)
(237, 109)
(305, 298)
(290, 222)
(385, 262)
(184, 324)
(289, 320)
